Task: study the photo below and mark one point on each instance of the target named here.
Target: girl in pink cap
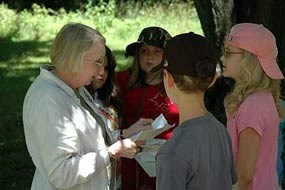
(253, 109)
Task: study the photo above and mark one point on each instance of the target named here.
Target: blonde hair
(251, 78)
(71, 44)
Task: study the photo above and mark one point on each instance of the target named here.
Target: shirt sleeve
(251, 114)
(58, 145)
(171, 172)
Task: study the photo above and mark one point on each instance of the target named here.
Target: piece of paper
(158, 126)
(146, 158)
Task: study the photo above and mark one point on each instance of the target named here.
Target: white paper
(158, 126)
(146, 158)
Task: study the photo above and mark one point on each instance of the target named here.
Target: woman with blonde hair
(64, 139)
(253, 109)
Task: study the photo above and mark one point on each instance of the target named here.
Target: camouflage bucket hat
(154, 36)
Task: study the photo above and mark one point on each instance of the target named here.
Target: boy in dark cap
(199, 154)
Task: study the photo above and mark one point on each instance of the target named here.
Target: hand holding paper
(146, 158)
(142, 124)
(158, 126)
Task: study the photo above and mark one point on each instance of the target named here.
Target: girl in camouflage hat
(144, 96)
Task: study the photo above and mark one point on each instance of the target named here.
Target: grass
(19, 63)
(22, 55)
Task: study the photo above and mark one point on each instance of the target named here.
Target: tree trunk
(216, 19)
(277, 26)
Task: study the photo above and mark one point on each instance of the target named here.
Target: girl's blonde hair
(71, 44)
(251, 78)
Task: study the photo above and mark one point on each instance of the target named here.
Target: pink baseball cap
(258, 40)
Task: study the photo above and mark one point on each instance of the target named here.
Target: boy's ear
(168, 78)
(214, 80)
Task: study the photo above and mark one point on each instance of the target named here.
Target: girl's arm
(249, 141)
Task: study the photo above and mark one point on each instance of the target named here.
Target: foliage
(42, 23)
(35, 24)
(19, 62)
(102, 14)
(119, 24)
(176, 18)
(8, 22)
(72, 5)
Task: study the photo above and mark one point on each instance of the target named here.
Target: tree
(216, 19)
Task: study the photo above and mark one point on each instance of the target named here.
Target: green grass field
(23, 53)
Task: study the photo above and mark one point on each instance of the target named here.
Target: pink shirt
(259, 112)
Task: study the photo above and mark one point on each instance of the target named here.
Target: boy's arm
(171, 172)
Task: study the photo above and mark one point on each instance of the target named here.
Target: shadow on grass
(19, 62)
(10, 49)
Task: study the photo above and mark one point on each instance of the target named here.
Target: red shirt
(155, 102)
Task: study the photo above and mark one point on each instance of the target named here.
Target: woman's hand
(141, 125)
(124, 148)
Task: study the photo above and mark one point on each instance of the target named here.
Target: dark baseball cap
(153, 35)
(190, 54)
